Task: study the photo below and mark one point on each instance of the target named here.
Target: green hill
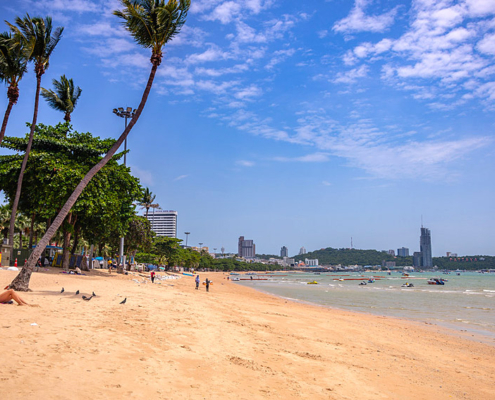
(330, 256)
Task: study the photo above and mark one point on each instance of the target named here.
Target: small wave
(489, 291)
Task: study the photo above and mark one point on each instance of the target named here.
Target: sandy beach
(170, 341)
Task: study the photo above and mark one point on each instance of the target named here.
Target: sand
(170, 341)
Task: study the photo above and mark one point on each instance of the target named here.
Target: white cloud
(358, 21)
(180, 177)
(212, 54)
(67, 5)
(352, 76)
(437, 49)
(225, 12)
(280, 56)
(311, 158)
(248, 92)
(487, 44)
(245, 163)
(146, 177)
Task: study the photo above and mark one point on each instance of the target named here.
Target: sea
(465, 303)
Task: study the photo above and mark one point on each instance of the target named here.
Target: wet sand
(170, 341)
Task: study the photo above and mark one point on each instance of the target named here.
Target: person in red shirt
(152, 274)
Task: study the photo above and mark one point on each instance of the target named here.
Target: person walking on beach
(152, 274)
(207, 285)
(197, 282)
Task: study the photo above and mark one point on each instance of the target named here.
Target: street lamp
(187, 235)
(128, 112)
(201, 248)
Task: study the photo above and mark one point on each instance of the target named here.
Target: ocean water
(465, 302)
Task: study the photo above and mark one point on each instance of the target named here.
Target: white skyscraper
(163, 223)
(302, 250)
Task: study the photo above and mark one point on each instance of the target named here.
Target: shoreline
(170, 341)
(483, 336)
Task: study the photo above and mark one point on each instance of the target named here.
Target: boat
(313, 283)
(371, 279)
(436, 281)
(363, 283)
(407, 285)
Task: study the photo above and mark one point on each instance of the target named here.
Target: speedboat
(407, 285)
(363, 283)
(313, 283)
(436, 281)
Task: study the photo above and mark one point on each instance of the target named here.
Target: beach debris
(63, 290)
(123, 301)
(87, 298)
(77, 292)
(34, 324)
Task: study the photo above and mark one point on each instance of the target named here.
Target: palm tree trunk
(23, 167)
(5, 120)
(31, 231)
(65, 251)
(21, 281)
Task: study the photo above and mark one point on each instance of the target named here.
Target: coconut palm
(13, 66)
(147, 201)
(152, 23)
(64, 97)
(36, 35)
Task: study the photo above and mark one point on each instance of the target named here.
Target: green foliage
(65, 96)
(37, 37)
(465, 263)
(139, 236)
(13, 62)
(153, 23)
(231, 264)
(60, 158)
(330, 256)
(146, 258)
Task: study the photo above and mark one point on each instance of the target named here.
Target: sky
(296, 123)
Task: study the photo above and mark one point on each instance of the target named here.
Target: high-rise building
(284, 252)
(425, 248)
(391, 253)
(417, 259)
(403, 252)
(302, 250)
(163, 223)
(246, 248)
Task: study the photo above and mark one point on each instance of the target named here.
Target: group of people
(207, 283)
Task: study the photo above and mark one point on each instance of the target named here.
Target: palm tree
(152, 23)
(36, 34)
(64, 97)
(13, 65)
(147, 201)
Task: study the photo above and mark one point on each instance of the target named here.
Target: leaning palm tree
(13, 65)
(147, 201)
(64, 97)
(36, 34)
(152, 23)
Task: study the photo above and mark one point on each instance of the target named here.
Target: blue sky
(297, 123)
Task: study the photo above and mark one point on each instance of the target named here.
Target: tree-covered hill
(330, 256)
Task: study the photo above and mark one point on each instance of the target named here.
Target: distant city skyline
(295, 123)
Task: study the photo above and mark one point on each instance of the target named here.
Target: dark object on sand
(63, 290)
(87, 298)
(77, 292)
(94, 294)
(123, 301)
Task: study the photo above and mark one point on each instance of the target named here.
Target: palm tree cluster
(152, 24)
